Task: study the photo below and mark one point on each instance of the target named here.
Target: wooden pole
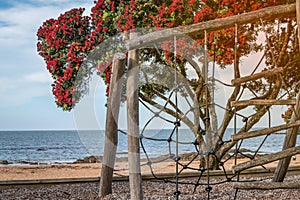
(212, 25)
(289, 141)
(265, 186)
(111, 129)
(262, 102)
(267, 73)
(262, 160)
(265, 131)
(135, 178)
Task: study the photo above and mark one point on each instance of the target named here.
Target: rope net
(194, 123)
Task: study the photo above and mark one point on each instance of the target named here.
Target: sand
(151, 189)
(86, 170)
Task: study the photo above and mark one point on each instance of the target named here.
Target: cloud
(16, 93)
(19, 23)
(39, 77)
(21, 90)
(23, 73)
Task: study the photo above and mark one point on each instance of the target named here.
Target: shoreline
(86, 170)
(98, 159)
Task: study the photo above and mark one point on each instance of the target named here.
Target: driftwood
(265, 131)
(266, 159)
(135, 178)
(256, 76)
(217, 24)
(262, 102)
(265, 186)
(111, 129)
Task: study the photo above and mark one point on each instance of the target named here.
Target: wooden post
(289, 141)
(265, 131)
(111, 129)
(135, 178)
(267, 73)
(262, 160)
(262, 102)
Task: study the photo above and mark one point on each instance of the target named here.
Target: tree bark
(111, 130)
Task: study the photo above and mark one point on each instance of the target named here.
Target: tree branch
(167, 110)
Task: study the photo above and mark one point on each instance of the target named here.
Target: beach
(88, 170)
(152, 189)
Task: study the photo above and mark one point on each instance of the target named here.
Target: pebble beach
(155, 189)
(152, 190)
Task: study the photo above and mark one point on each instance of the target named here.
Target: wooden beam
(265, 185)
(111, 129)
(256, 76)
(221, 23)
(289, 141)
(262, 160)
(262, 102)
(265, 131)
(135, 178)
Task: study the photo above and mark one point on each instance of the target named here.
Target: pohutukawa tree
(65, 43)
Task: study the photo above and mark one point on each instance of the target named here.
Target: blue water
(50, 147)
(41, 146)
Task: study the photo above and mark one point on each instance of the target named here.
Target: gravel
(152, 190)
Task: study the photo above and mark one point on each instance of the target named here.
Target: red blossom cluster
(225, 8)
(65, 42)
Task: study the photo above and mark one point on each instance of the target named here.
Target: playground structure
(233, 109)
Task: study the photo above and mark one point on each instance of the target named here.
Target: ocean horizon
(21, 147)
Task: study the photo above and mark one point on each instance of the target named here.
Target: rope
(175, 137)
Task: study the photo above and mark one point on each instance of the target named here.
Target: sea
(67, 146)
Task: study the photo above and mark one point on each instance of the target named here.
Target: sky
(26, 100)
